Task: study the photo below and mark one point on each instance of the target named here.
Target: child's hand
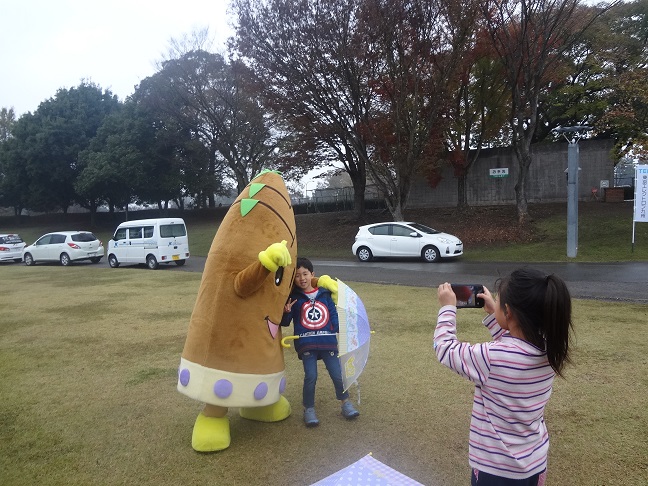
(446, 295)
(288, 306)
(489, 301)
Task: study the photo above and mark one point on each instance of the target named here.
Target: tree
(478, 110)
(12, 176)
(626, 111)
(217, 104)
(530, 38)
(61, 128)
(7, 120)
(103, 178)
(577, 94)
(334, 180)
(315, 77)
(246, 142)
(14, 149)
(627, 115)
(418, 67)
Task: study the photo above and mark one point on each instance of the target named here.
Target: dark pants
(480, 478)
(332, 363)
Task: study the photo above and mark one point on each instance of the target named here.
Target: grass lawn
(88, 360)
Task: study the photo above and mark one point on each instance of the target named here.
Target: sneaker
(349, 411)
(310, 419)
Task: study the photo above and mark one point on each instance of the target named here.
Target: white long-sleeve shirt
(513, 382)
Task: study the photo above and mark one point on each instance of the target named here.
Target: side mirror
(414, 234)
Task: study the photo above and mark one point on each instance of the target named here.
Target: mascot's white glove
(329, 284)
(275, 256)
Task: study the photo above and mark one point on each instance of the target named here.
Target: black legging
(480, 478)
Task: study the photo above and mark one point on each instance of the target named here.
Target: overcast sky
(50, 44)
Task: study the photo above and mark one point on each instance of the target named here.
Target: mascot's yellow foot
(210, 434)
(270, 413)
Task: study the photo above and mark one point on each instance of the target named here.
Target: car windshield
(424, 229)
(10, 239)
(84, 237)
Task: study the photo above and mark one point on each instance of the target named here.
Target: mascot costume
(233, 355)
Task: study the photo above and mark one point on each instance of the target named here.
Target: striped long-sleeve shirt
(513, 382)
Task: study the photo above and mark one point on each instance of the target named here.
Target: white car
(11, 247)
(405, 239)
(65, 247)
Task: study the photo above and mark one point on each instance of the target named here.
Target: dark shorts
(480, 478)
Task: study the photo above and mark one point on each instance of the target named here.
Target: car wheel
(364, 254)
(112, 261)
(95, 259)
(28, 259)
(151, 262)
(65, 259)
(431, 254)
(180, 262)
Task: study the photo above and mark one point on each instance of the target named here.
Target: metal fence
(334, 199)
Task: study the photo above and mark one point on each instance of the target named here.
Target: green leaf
(255, 187)
(247, 205)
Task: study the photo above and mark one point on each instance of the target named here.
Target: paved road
(623, 282)
(605, 281)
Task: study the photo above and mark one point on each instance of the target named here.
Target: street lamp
(576, 134)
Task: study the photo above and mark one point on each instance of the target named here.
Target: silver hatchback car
(405, 239)
(65, 247)
(11, 247)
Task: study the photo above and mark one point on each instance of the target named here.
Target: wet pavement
(622, 281)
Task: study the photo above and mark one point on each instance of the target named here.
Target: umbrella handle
(284, 341)
(285, 344)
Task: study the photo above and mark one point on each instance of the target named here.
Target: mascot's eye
(279, 276)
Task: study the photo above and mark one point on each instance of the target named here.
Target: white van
(150, 241)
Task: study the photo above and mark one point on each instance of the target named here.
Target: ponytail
(557, 322)
(542, 306)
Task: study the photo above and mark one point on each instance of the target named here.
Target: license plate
(176, 257)
(92, 254)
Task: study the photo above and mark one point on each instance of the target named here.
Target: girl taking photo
(530, 324)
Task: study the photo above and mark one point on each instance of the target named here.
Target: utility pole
(572, 185)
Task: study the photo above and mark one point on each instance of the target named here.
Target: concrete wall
(547, 180)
